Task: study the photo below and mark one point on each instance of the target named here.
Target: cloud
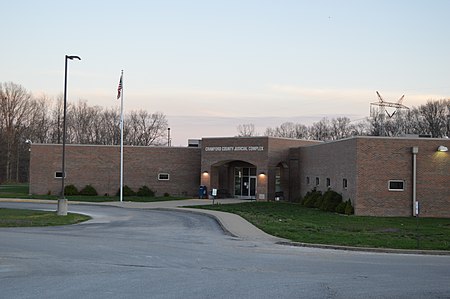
(275, 100)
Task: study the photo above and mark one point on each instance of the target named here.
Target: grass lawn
(11, 189)
(26, 218)
(300, 224)
(21, 191)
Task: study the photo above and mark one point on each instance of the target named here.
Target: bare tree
(39, 124)
(286, 130)
(246, 130)
(361, 128)
(321, 130)
(270, 132)
(434, 115)
(145, 128)
(40, 120)
(81, 123)
(110, 127)
(56, 121)
(340, 128)
(16, 105)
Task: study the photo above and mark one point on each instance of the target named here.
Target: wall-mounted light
(205, 172)
(262, 174)
(442, 148)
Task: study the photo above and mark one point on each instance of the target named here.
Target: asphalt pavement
(158, 250)
(232, 224)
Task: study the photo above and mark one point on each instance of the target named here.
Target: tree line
(25, 119)
(430, 119)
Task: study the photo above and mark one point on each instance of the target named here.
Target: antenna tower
(380, 109)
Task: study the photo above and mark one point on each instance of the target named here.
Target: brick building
(382, 176)
(377, 174)
(172, 170)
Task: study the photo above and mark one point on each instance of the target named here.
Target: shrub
(70, 190)
(331, 199)
(127, 191)
(311, 198)
(88, 190)
(341, 207)
(306, 197)
(145, 191)
(318, 202)
(349, 210)
(166, 194)
(308, 201)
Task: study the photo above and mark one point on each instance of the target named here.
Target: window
(307, 180)
(396, 185)
(328, 182)
(58, 175)
(278, 180)
(317, 181)
(163, 176)
(344, 183)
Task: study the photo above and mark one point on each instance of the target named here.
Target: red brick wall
(368, 163)
(279, 153)
(334, 160)
(274, 151)
(383, 159)
(100, 167)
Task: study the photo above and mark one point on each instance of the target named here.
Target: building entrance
(245, 182)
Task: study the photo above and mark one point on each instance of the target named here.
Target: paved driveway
(135, 253)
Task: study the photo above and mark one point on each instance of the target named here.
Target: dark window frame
(58, 175)
(163, 176)
(345, 184)
(396, 185)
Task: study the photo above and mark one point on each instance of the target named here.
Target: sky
(211, 65)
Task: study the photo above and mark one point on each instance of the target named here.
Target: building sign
(234, 148)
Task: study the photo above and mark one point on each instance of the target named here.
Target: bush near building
(330, 201)
(126, 191)
(88, 190)
(145, 191)
(70, 190)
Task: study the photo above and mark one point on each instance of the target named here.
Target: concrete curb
(181, 210)
(366, 249)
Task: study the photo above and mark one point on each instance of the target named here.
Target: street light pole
(62, 202)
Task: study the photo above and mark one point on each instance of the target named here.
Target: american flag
(119, 89)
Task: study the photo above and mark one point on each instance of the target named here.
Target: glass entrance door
(245, 182)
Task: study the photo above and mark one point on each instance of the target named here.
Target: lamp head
(442, 148)
(72, 57)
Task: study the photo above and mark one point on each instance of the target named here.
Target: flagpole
(121, 139)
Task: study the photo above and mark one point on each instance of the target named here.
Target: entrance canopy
(246, 167)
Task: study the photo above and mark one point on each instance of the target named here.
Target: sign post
(214, 194)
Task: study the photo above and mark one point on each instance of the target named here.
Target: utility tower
(380, 109)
